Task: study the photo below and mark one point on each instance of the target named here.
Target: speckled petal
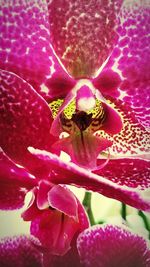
(102, 246)
(70, 173)
(14, 183)
(130, 59)
(25, 119)
(135, 172)
(20, 251)
(133, 138)
(82, 33)
(26, 48)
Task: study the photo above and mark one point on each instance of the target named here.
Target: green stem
(123, 211)
(143, 216)
(87, 205)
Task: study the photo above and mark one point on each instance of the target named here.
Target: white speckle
(44, 89)
(97, 15)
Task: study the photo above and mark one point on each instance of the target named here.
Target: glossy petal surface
(63, 199)
(25, 119)
(102, 246)
(19, 251)
(70, 173)
(26, 49)
(82, 33)
(14, 183)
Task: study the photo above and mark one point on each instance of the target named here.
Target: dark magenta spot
(108, 80)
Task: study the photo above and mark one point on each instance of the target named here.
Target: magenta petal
(134, 172)
(30, 54)
(70, 173)
(102, 246)
(25, 119)
(131, 58)
(113, 123)
(20, 251)
(10, 173)
(62, 199)
(133, 138)
(53, 231)
(42, 194)
(83, 34)
(14, 183)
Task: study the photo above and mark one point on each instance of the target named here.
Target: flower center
(82, 145)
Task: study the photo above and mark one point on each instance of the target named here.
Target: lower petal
(100, 246)
(19, 251)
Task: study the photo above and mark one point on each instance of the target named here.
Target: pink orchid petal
(71, 258)
(14, 183)
(20, 251)
(26, 49)
(131, 58)
(134, 172)
(62, 199)
(102, 246)
(32, 211)
(113, 122)
(54, 230)
(11, 197)
(70, 173)
(68, 229)
(10, 173)
(42, 194)
(25, 119)
(133, 138)
(83, 34)
(46, 228)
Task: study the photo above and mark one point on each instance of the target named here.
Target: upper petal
(130, 59)
(26, 48)
(25, 119)
(83, 34)
(100, 246)
(21, 251)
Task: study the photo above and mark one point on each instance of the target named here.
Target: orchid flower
(79, 69)
(32, 74)
(97, 246)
